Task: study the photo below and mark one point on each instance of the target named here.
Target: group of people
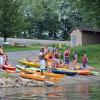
(48, 59)
(51, 59)
(75, 59)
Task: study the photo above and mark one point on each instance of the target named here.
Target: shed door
(73, 40)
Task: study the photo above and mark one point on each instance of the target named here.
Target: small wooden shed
(84, 36)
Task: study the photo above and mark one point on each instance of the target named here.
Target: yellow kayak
(32, 63)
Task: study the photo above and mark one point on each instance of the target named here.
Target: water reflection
(83, 91)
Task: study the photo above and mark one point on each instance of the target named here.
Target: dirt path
(15, 56)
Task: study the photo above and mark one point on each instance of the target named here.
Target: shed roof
(93, 30)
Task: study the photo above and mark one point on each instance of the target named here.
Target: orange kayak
(49, 74)
(39, 77)
(84, 72)
(10, 71)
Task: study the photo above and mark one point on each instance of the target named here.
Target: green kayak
(95, 73)
(28, 68)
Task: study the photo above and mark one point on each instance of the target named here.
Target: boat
(49, 74)
(28, 68)
(78, 71)
(83, 72)
(8, 67)
(4, 74)
(10, 71)
(95, 73)
(38, 77)
(67, 72)
(30, 63)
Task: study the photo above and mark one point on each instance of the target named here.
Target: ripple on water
(82, 91)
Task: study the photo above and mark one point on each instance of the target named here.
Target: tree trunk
(5, 39)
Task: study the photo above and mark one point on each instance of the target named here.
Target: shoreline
(14, 80)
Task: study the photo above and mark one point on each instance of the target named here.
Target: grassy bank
(19, 48)
(93, 54)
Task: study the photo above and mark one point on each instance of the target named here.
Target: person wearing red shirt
(66, 57)
(84, 60)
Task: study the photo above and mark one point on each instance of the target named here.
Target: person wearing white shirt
(42, 64)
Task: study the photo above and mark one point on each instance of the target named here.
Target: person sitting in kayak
(66, 57)
(42, 64)
(75, 58)
(84, 60)
(58, 65)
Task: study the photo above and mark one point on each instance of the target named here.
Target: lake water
(82, 91)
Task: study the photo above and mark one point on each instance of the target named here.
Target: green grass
(19, 48)
(93, 54)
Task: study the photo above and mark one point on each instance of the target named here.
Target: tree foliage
(90, 10)
(49, 19)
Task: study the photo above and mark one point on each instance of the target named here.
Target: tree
(10, 17)
(69, 17)
(90, 11)
(45, 18)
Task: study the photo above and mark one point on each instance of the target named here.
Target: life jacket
(66, 54)
(48, 56)
(84, 60)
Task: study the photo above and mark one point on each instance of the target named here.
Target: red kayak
(8, 67)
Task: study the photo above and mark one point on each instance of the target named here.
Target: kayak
(10, 71)
(28, 68)
(4, 74)
(83, 72)
(30, 63)
(38, 77)
(95, 73)
(8, 67)
(49, 74)
(67, 72)
(78, 71)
